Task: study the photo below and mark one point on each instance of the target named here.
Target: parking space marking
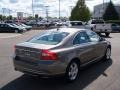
(8, 35)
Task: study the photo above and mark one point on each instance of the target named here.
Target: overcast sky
(39, 6)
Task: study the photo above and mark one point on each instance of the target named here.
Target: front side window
(49, 38)
(81, 37)
(93, 36)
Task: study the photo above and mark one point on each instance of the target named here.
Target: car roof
(69, 30)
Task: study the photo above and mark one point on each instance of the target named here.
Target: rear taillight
(48, 55)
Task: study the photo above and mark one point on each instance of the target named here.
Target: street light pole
(47, 12)
(32, 8)
(3, 11)
(59, 10)
(103, 9)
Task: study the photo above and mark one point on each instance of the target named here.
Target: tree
(3, 18)
(110, 12)
(80, 12)
(36, 16)
(30, 17)
(9, 17)
(0, 17)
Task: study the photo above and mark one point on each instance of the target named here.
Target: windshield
(49, 38)
(97, 22)
(15, 25)
(10, 25)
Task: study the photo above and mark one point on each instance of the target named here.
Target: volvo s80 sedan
(62, 51)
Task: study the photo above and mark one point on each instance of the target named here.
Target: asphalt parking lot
(99, 76)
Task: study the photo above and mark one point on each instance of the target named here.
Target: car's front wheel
(72, 71)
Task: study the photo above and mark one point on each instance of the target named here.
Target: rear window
(97, 22)
(49, 38)
(76, 23)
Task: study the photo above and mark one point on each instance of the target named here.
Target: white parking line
(8, 35)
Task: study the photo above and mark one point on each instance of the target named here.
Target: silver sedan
(60, 51)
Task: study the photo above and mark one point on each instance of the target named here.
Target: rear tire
(107, 55)
(107, 34)
(72, 71)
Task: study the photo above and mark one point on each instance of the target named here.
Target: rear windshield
(97, 22)
(49, 38)
(76, 23)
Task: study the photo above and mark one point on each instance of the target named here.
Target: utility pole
(47, 12)
(71, 7)
(10, 12)
(59, 10)
(3, 9)
(33, 8)
(103, 9)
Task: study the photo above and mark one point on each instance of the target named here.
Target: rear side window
(49, 38)
(81, 38)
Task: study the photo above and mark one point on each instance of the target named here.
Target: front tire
(72, 71)
(16, 31)
(107, 34)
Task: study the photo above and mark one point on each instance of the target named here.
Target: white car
(99, 26)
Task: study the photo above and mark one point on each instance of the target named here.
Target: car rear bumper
(43, 68)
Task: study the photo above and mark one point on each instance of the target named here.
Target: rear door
(84, 48)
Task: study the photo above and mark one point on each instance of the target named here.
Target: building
(99, 10)
(20, 15)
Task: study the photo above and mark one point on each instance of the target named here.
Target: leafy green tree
(0, 17)
(4, 18)
(110, 12)
(80, 12)
(30, 17)
(9, 17)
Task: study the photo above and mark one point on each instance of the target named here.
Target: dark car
(26, 26)
(62, 51)
(10, 28)
(115, 27)
(76, 24)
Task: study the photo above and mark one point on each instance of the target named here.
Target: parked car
(18, 26)
(60, 51)
(75, 24)
(25, 26)
(99, 26)
(4, 27)
(115, 27)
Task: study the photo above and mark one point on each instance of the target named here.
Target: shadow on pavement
(87, 76)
